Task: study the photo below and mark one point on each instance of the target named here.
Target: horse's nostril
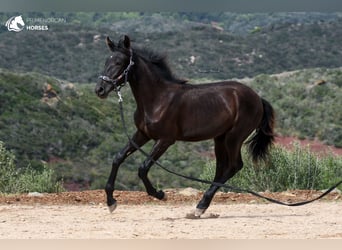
(100, 91)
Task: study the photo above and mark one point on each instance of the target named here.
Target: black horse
(169, 110)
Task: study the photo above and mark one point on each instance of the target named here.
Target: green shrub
(285, 170)
(7, 168)
(13, 180)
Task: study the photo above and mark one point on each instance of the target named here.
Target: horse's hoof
(199, 211)
(195, 215)
(192, 216)
(112, 207)
(160, 195)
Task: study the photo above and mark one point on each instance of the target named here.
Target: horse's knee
(118, 159)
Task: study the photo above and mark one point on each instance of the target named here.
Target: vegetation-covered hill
(67, 126)
(53, 115)
(223, 45)
(43, 119)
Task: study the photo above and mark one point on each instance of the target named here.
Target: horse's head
(116, 67)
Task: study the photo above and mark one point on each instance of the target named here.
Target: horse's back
(214, 108)
(223, 93)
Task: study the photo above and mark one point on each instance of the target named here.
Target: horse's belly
(205, 128)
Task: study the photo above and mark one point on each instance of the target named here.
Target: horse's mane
(160, 64)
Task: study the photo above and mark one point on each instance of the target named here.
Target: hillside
(52, 116)
(224, 45)
(307, 102)
(64, 125)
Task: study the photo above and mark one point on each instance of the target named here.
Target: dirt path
(240, 221)
(31, 218)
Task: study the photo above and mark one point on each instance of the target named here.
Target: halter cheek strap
(123, 74)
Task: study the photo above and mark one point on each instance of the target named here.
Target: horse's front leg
(158, 149)
(139, 139)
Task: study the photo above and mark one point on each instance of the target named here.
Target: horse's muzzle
(100, 92)
(103, 88)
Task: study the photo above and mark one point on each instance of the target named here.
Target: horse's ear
(110, 44)
(127, 42)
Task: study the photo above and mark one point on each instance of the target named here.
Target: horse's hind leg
(228, 163)
(158, 149)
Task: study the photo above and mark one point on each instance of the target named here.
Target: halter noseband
(123, 74)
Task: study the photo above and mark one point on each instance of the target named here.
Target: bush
(285, 170)
(13, 180)
(7, 168)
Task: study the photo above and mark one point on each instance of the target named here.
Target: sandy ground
(21, 219)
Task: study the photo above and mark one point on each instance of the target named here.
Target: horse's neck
(146, 86)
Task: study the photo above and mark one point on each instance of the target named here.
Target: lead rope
(237, 189)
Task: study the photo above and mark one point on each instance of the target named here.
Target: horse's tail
(263, 137)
